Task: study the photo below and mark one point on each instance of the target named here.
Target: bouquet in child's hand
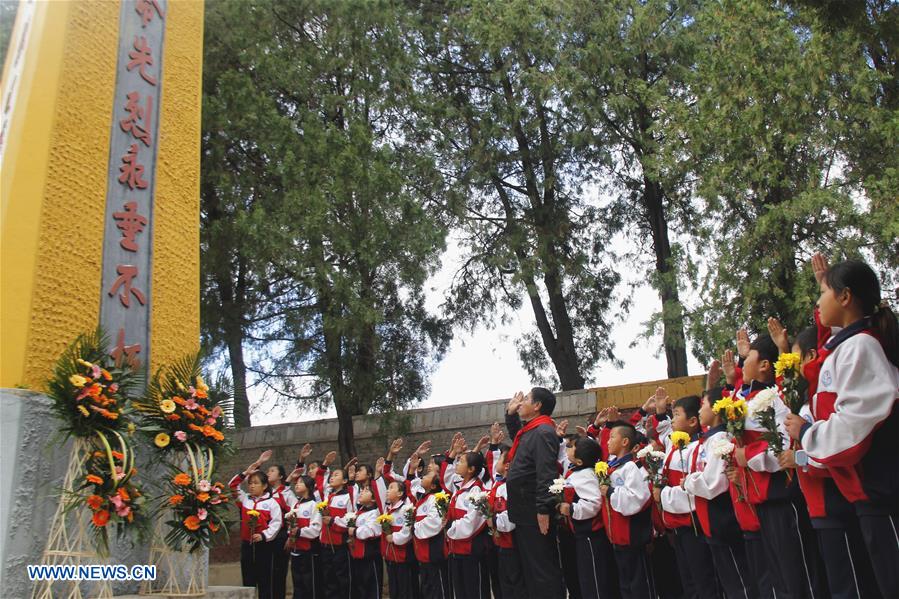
(253, 522)
(762, 410)
(557, 489)
(441, 500)
(733, 413)
(410, 517)
(654, 462)
(724, 449)
(787, 366)
(481, 502)
(602, 473)
(386, 522)
(350, 519)
(322, 507)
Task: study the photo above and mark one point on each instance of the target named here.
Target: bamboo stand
(178, 573)
(67, 542)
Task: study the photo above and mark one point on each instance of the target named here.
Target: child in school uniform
(847, 565)
(626, 513)
(790, 546)
(280, 559)
(260, 521)
(365, 548)
(856, 429)
(466, 532)
(710, 487)
(396, 547)
(564, 534)
(335, 557)
(509, 566)
(302, 541)
(678, 506)
(581, 503)
(429, 540)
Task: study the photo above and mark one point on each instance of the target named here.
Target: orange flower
(192, 523)
(131, 516)
(93, 478)
(176, 499)
(98, 454)
(94, 502)
(189, 415)
(213, 527)
(203, 497)
(173, 417)
(178, 400)
(208, 431)
(201, 394)
(100, 518)
(181, 479)
(95, 390)
(203, 411)
(194, 427)
(118, 455)
(124, 494)
(106, 374)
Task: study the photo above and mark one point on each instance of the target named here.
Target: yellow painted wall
(54, 188)
(633, 395)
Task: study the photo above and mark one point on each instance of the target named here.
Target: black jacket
(533, 470)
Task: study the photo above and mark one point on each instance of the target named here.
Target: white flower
(722, 447)
(658, 455)
(558, 486)
(475, 494)
(762, 401)
(644, 452)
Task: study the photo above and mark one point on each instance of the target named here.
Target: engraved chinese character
(130, 223)
(131, 170)
(146, 8)
(137, 113)
(141, 57)
(127, 273)
(128, 352)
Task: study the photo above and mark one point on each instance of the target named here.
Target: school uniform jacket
(502, 535)
(582, 492)
(428, 541)
(677, 504)
(339, 503)
(709, 485)
(465, 523)
(367, 540)
(856, 429)
(285, 498)
(268, 523)
(306, 527)
(399, 551)
(768, 482)
(626, 511)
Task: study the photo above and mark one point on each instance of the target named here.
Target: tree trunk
(672, 308)
(346, 441)
(234, 336)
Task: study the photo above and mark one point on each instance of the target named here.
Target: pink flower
(181, 436)
(113, 387)
(201, 514)
(190, 404)
(216, 412)
(123, 511)
(204, 486)
(117, 502)
(119, 475)
(215, 501)
(95, 371)
(210, 421)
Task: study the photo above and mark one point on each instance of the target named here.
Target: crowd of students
(671, 501)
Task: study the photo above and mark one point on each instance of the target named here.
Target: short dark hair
(545, 398)
(260, 476)
(281, 471)
(807, 340)
(690, 405)
(369, 469)
(627, 431)
(766, 348)
(587, 451)
(310, 484)
(475, 460)
(714, 394)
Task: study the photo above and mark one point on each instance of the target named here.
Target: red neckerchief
(534, 423)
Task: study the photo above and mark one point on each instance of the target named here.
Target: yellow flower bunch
(441, 497)
(787, 362)
(385, 518)
(252, 513)
(680, 439)
(601, 469)
(322, 506)
(731, 410)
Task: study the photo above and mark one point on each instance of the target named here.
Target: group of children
(678, 500)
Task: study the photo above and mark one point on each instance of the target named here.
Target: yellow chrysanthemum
(722, 405)
(167, 406)
(601, 469)
(252, 513)
(441, 497)
(785, 362)
(385, 518)
(680, 439)
(739, 410)
(161, 440)
(84, 411)
(77, 380)
(321, 505)
(201, 384)
(84, 363)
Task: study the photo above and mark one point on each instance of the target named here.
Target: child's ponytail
(862, 282)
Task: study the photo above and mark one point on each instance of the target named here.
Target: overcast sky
(484, 365)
